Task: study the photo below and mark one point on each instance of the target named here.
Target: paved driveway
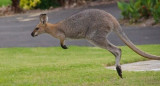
(15, 30)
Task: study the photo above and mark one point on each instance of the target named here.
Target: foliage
(5, 2)
(45, 4)
(156, 12)
(42, 4)
(76, 66)
(136, 9)
(29, 4)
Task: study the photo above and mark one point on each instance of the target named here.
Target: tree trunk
(15, 6)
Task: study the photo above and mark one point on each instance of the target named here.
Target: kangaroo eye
(37, 28)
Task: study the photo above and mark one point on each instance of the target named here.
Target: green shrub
(140, 8)
(29, 4)
(45, 4)
(35, 4)
(5, 2)
(156, 12)
(130, 10)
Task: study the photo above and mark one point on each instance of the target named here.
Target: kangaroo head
(41, 27)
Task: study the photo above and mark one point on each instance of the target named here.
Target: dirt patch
(141, 23)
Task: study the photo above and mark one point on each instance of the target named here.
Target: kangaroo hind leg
(117, 53)
(104, 43)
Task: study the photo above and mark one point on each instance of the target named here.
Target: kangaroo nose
(32, 34)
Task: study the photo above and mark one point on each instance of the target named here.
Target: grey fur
(87, 23)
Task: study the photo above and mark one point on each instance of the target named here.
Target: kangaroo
(93, 25)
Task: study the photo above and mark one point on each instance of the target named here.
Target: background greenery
(136, 9)
(41, 4)
(46, 4)
(76, 66)
(5, 2)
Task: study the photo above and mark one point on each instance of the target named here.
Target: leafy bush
(140, 8)
(29, 4)
(5, 2)
(42, 4)
(156, 12)
(45, 4)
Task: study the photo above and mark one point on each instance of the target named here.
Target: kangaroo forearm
(62, 43)
(64, 46)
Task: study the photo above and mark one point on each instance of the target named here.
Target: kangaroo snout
(32, 34)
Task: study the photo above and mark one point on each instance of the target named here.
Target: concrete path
(151, 65)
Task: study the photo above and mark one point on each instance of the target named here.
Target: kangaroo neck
(51, 29)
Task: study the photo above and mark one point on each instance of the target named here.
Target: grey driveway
(15, 30)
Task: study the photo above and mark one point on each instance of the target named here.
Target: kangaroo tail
(127, 41)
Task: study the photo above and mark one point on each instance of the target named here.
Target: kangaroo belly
(76, 34)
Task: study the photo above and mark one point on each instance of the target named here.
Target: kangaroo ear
(43, 18)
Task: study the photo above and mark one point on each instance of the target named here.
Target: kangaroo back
(86, 22)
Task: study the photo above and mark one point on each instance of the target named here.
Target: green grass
(5, 2)
(76, 66)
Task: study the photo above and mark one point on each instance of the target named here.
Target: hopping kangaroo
(93, 25)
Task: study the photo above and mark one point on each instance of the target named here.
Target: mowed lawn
(5, 2)
(76, 66)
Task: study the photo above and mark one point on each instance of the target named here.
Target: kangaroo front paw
(119, 71)
(64, 46)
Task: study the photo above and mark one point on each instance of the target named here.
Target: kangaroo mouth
(33, 34)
